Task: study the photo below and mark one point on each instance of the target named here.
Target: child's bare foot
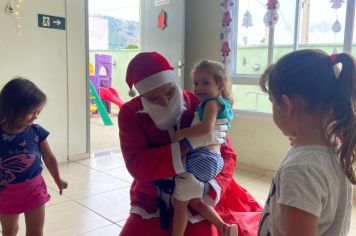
(229, 230)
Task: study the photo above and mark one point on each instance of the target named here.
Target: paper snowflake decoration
(247, 20)
(336, 4)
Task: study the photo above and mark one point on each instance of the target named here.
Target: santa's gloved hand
(217, 136)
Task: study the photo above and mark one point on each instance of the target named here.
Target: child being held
(212, 88)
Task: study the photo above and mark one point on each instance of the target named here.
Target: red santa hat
(147, 71)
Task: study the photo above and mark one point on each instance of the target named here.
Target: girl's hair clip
(333, 59)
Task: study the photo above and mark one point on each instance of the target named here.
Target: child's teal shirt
(226, 111)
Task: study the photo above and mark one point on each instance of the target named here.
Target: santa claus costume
(153, 160)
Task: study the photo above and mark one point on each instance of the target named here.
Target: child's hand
(176, 137)
(61, 184)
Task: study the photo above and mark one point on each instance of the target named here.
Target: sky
(121, 9)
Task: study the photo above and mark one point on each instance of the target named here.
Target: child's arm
(298, 222)
(211, 110)
(51, 163)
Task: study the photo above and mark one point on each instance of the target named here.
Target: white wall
(41, 55)
(78, 135)
(258, 142)
(256, 139)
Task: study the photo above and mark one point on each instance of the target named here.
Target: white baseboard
(255, 170)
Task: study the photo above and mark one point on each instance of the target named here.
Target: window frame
(244, 79)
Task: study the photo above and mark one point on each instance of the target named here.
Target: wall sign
(51, 22)
(161, 2)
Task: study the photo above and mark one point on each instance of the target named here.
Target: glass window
(252, 38)
(324, 31)
(284, 29)
(250, 98)
(321, 24)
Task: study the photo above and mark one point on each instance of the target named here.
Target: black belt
(165, 186)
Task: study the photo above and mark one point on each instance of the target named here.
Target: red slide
(110, 95)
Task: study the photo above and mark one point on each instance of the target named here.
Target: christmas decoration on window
(226, 19)
(271, 17)
(161, 20)
(13, 9)
(336, 4)
(226, 31)
(336, 27)
(247, 22)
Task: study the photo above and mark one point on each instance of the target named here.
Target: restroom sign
(51, 22)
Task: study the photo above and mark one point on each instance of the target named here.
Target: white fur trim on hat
(155, 81)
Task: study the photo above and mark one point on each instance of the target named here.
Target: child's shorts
(204, 164)
(188, 187)
(23, 197)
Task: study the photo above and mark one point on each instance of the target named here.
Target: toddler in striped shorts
(211, 86)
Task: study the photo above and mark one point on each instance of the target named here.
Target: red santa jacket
(149, 154)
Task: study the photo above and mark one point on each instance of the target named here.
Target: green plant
(131, 46)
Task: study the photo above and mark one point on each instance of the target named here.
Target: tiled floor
(97, 200)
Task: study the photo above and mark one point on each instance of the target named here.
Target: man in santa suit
(146, 124)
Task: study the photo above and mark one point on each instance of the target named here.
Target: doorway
(116, 36)
(114, 31)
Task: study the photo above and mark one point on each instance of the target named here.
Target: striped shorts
(203, 164)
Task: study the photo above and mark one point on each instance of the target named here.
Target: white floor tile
(92, 184)
(68, 219)
(55, 197)
(121, 223)
(111, 230)
(113, 205)
(105, 162)
(120, 173)
(69, 172)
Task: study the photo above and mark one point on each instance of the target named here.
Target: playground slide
(100, 106)
(110, 95)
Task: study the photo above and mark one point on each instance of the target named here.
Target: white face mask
(165, 117)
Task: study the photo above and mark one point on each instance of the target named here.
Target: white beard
(165, 117)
